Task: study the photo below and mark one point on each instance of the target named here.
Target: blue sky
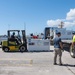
(35, 15)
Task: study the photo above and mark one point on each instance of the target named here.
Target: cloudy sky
(35, 15)
(69, 20)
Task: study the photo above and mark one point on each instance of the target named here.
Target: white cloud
(71, 14)
(68, 22)
(53, 22)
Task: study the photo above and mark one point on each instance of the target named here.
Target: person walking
(58, 47)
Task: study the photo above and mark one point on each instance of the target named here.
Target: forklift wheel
(6, 49)
(22, 48)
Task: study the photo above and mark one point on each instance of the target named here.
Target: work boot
(55, 63)
(60, 64)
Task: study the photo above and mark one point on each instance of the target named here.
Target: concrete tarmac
(35, 63)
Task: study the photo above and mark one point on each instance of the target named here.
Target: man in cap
(13, 38)
(13, 35)
(58, 48)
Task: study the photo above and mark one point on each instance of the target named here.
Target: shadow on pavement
(28, 52)
(40, 51)
(68, 65)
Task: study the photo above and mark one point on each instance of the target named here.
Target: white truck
(51, 33)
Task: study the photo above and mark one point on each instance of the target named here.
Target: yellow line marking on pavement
(15, 65)
(30, 60)
(3, 64)
(14, 59)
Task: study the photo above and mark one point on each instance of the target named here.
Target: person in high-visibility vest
(73, 39)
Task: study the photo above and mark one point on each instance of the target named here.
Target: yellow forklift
(15, 44)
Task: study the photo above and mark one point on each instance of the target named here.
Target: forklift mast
(24, 36)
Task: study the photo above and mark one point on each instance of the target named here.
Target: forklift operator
(13, 35)
(13, 38)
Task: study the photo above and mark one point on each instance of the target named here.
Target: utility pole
(61, 24)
